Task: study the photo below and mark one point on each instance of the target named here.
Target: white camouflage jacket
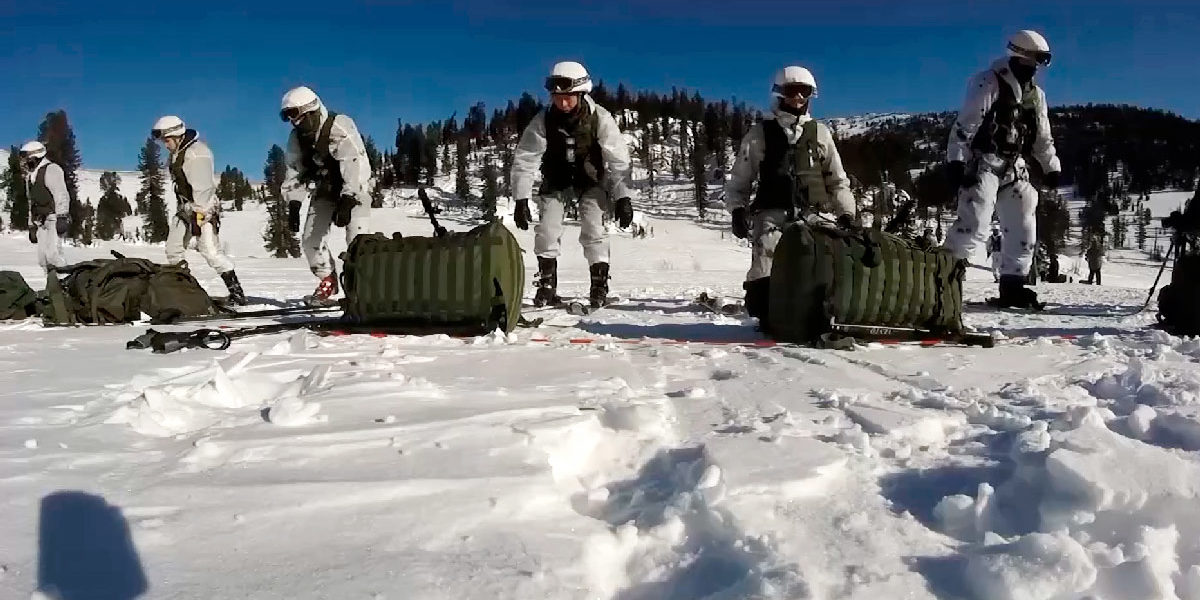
(527, 159)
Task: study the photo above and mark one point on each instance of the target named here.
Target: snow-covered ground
(657, 461)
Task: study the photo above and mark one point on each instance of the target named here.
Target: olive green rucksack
(120, 290)
(821, 274)
(17, 299)
(467, 283)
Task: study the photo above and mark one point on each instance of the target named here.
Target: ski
(581, 308)
(887, 334)
(227, 314)
(1049, 309)
(720, 305)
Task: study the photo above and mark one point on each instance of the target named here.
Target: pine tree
(461, 187)
(13, 182)
(152, 196)
(699, 174)
(278, 238)
(1141, 231)
(491, 189)
(112, 208)
(55, 132)
(375, 159)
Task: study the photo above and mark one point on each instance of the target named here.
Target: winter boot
(547, 283)
(326, 288)
(1014, 294)
(237, 297)
(758, 297)
(598, 296)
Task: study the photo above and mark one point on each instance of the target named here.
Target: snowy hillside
(652, 450)
(848, 126)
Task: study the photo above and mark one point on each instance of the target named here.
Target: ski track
(670, 457)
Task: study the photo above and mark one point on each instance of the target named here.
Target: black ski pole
(438, 230)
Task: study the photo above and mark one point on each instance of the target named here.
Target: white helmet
(568, 77)
(1029, 45)
(168, 126)
(298, 101)
(33, 149)
(793, 80)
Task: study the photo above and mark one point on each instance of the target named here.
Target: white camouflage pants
(1003, 187)
(547, 234)
(317, 225)
(180, 234)
(49, 245)
(766, 227)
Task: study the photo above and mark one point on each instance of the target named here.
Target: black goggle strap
(1038, 57)
(293, 112)
(556, 84)
(792, 90)
(159, 134)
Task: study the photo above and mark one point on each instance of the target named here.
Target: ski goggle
(292, 113)
(161, 134)
(1032, 57)
(563, 85)
(794, 90)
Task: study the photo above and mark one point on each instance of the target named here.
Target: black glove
(740, 223)
(1051, 180)
(345, 205)
(33, 234)
(294, 216)
(61, 224)
(956, 174)
(624, 212)
(521, 214)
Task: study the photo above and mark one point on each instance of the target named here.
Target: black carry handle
(438, 230)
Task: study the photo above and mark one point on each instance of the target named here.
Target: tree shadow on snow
(1033, 332)
(85, 550)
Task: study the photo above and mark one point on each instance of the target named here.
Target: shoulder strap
(808, 136)
(774, 138)
(322, 144)
(40, 177)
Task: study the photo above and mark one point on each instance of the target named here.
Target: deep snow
(1060, 464)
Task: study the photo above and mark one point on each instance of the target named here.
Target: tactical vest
(183, 189)
(791, 176)
(319, 165)
(1010, 125)
(573, 158)
(41, 201)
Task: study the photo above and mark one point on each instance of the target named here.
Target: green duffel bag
(822, 274)
(17, 299)
(120, 290)
(466, 283)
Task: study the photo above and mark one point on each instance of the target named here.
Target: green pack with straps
(467, 283)
(823, 274)
(121, 290)
(17, 299)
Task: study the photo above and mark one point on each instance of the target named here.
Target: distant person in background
(577, 147)
(326, 165)
(793, 159)
(49, 204)
(994, 245)
(1093, 249)
(927, 240)
(197, 209)
(1003, 120)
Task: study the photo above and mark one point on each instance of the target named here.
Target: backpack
(119, 290)
(17, 299)
(822, 275)
(465, 283)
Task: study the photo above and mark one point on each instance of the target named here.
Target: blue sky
(222, 66)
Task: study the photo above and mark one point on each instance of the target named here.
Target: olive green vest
(41, 201)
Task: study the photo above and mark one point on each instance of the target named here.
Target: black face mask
(309, 124)
(1022, 70)
(30, 163)
(789, 109)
